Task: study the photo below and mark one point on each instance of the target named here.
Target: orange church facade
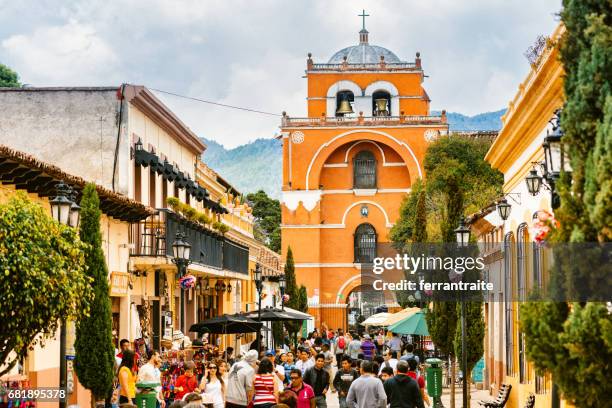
(347, 167)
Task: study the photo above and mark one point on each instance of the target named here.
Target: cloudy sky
(253, 53)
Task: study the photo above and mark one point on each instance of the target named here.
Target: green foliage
(412, 223)
(174, 203)
(8, 77)
(475, 329)
(267, 213)
(42, 278)
(298, 298)
(95, 357)
(459, 181)
(574, 342)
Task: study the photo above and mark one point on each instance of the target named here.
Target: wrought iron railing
(393, 66)
(154, 237)
(404, 120)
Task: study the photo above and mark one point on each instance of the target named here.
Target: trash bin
(434, 380)
(147, 396)
(434, 377)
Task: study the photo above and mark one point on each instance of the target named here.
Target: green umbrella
(414, 324)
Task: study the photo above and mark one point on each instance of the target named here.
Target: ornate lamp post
(503, 209)
(555, 162)
(282, 283)
(65, 211)
(181, 251)
(259, 286)
(463, 237)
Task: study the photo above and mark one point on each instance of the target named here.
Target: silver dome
(363, 54)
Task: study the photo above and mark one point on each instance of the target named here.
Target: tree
(298, 298)
(572, 340)
(459, 181)
(8, 77)
(42, 278)
(94, 362)
(267, 213)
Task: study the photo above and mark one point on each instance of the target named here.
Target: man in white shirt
(305, 362)
(395, 343)
(390, 361)
(149, 373)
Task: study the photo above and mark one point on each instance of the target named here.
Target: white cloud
(253, 54)
(70, 54)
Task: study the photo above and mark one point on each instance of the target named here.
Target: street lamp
(462, 233)
(65, 211)
(282, 284)
(534, 181)
(259, 286)
(503, 209)
(181, 251)
(463, 237)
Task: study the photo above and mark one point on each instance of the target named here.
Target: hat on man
(366, 336)
(270, 353)
(251, 356)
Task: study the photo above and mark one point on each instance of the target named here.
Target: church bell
(344, 108)
(381, 107)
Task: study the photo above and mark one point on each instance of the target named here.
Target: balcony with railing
(370, 121)
(378, 66)
(153, 237)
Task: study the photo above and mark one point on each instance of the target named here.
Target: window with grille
(521, 280)
(365, 243)
(541, 383)
(509, 318)
(364, 170)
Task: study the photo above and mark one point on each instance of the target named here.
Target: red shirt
(136, 358)
(188, 383)
(420, 380)
(304, 395)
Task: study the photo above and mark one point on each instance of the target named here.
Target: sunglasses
(294, 378)
(209, 367)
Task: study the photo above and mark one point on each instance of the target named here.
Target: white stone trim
(382, 153)
(344, 85)
(350, 132)
(292, 199)
(394, 164)
(359, 192)
(381, 86)
(442, 127)
(327, 165)
(366, 202)
(344, 285)
(378, 191)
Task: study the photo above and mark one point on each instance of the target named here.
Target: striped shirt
(264, 389)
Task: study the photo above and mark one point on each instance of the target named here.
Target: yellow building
(20, 171)
(516, 264)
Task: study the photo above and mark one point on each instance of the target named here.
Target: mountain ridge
(258, 164)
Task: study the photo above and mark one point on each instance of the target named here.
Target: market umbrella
(272, 314)
(227, 324)
(414, 324)
(376, 319)
(399, 316)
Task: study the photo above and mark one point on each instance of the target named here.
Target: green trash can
(434, 380)
(147, 397)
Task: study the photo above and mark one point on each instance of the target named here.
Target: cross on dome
(363, 15)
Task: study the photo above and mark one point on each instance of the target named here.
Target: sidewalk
(476, 395)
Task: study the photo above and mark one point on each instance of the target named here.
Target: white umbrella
(376, 319)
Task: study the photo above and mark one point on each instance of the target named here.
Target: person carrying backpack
(340, 347)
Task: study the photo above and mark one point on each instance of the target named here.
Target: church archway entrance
(361, 303)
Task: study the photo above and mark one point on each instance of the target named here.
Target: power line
(216, 103)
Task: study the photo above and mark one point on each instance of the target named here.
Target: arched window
(344, 96)
(508, 292)
(365, 243)
(381, 103)
(364, 170)
(522, 237)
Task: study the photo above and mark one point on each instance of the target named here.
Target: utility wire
(216, 103)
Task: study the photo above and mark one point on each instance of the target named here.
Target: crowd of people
(369, 371)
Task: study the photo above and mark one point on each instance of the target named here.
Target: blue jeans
(320, 401)
(342, 401)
